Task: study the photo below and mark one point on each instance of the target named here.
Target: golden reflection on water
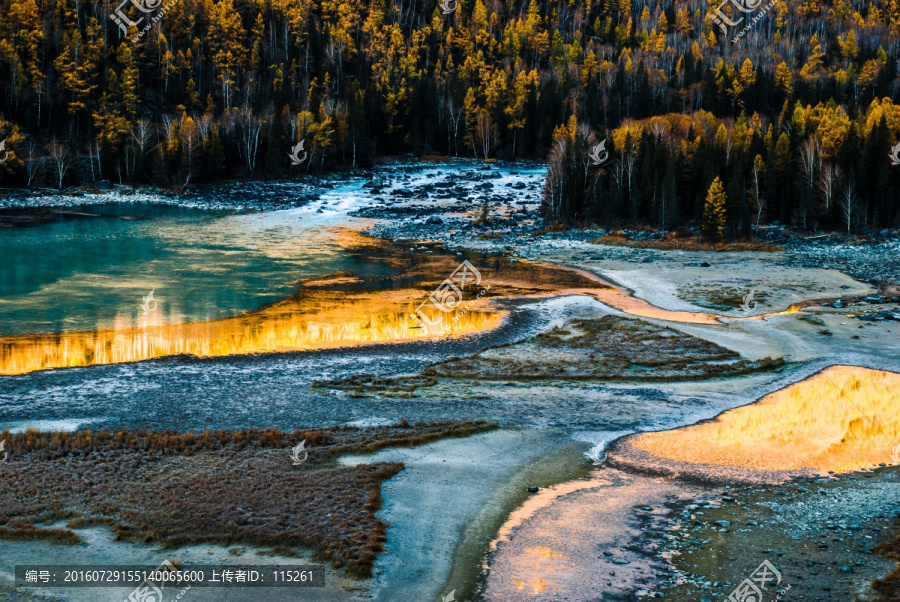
(324, 317)
(285, 326)
(841, 419)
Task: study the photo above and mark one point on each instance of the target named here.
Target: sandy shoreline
(654, 503)
(449, 499)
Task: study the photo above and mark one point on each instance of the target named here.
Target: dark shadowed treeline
(225, 89)
(812, 167)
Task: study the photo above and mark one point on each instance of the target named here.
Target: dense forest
(793, 110)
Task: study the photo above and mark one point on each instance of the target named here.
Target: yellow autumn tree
(713, 226)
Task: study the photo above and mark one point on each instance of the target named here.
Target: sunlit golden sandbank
(335, 311)
(843, 418)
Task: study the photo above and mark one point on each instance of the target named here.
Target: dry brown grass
(224, 487)
(366, 385)
(561, 227)
(608, 348)
(888, 589)
(673, 242)
(17, 530)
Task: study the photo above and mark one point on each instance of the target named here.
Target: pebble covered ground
(820, 535)
(236, 196)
